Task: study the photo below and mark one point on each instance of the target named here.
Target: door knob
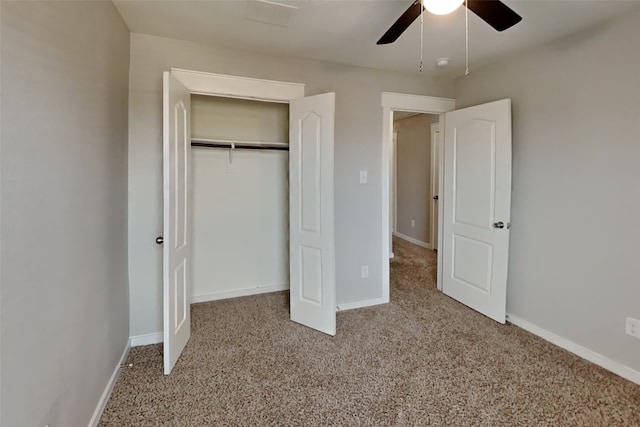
(498, 224)
(435, 197)
(159, 240)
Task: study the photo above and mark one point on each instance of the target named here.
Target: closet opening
(240, 197)
(262, 216)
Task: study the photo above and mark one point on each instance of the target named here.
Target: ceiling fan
(493, 12)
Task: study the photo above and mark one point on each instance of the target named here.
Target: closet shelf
(225, 143)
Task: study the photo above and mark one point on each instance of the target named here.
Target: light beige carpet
(424, 359)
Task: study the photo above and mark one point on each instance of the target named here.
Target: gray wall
(574, 266)
(358, 220)
(414, 175)
(64, 216)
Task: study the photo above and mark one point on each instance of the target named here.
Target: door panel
(177, 205)
(474, 147)
(309, 191)
(477, 188)
(311, 233)
(472, 262)
(311, 262)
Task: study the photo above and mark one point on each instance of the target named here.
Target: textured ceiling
(346, 31)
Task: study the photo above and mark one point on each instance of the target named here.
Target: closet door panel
(311, 230)
(177, 209)
(309, 186)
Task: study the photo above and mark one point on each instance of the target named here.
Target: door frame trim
(394, 182)
(402, 102)
(434, 128)
(224, 85)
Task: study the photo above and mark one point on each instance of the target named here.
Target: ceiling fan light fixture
(441, 7)
(442, 62)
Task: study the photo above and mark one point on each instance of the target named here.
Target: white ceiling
(346, 31)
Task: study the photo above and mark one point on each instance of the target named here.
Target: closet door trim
(202, 83)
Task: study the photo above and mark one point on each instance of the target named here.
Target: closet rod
(251, 145)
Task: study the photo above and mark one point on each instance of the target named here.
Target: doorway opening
(474, 198)
(414, 104)
(414, 186)
(414, 198)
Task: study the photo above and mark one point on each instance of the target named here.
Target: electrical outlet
(413, 223)
(633, 327)
(365, 271)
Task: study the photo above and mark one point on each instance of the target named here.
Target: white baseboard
(214, 296)
(146, 339)
(412, 240)
(362, 304)
(102, 403)
(587, 354)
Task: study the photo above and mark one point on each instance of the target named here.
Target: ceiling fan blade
(495, 13)
(402, 23)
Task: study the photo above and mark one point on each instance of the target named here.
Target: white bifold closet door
(177, 214)
(311, 228)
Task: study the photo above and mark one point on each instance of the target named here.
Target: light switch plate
(363, 177)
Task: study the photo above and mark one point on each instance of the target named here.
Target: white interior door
(311, 230)
(477, 206)
(177, 214)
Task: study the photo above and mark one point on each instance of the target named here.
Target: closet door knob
(159, 240)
